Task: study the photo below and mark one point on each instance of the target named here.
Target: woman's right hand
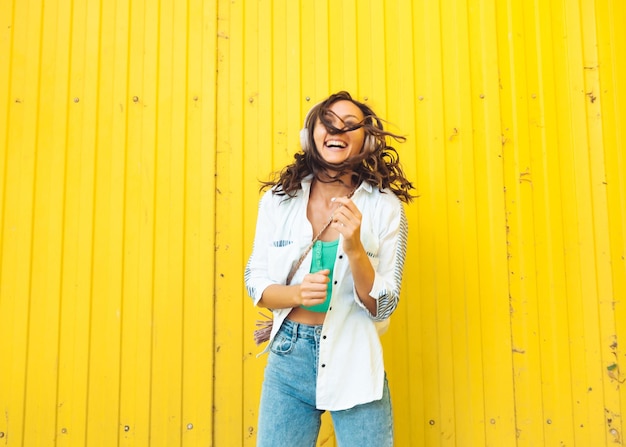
(314, 287)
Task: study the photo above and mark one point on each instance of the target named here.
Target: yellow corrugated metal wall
(132, 138)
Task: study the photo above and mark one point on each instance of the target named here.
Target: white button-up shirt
(350, 368)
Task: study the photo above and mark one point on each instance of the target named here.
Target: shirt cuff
(258, 290)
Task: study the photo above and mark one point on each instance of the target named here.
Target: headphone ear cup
(304, 139)
(369, 145)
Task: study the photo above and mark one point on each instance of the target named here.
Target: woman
(344, 193)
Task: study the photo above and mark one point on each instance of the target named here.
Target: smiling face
(336, 147)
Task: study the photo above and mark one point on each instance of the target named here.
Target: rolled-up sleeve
(393, 234)
(256, 274)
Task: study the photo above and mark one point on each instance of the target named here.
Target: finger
(320, 277)
(345, 220)
(319, 272)
(321, 296)
(349, 210)
(340, 215)
(338, 223)
(343, 201)
(315, 281)
(313, 292)
(347, 203)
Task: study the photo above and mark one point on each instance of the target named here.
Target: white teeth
(337, 143)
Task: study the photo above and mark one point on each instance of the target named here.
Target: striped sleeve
(388, 273)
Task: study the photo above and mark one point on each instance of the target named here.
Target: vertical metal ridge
(132, 140)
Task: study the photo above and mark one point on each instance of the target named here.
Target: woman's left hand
(347, 220)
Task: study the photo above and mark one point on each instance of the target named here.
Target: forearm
(278, 296)
(363, 277)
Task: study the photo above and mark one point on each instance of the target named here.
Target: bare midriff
(300, 315)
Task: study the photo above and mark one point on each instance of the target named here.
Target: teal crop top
(323, 257)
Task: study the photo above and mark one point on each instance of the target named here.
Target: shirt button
(335, 283)
(323, 365)
(324, 337)
(340, 256)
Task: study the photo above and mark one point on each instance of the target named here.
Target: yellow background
(133, 134)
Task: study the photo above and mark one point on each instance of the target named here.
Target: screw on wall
(616, 437)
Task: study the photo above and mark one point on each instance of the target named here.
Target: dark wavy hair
(379, 166)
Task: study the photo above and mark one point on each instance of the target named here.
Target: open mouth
(335, 144)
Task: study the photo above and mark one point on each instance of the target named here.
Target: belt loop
(295, 329)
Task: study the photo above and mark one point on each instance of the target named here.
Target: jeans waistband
(301, 330)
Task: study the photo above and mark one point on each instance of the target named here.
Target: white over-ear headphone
(305, 141)
(304, 132)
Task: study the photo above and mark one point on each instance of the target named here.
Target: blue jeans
(287, 413)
